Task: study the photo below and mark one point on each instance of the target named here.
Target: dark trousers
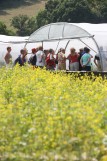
(87, 68)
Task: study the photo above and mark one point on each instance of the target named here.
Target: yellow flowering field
(46, 116)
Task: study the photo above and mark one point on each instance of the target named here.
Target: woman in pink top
(73, 60)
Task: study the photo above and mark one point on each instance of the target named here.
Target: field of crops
(46, 116)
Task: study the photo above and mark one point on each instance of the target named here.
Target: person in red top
(73, 60)
(50, 60)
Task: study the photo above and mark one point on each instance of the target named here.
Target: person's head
(40, 48)
(63, 51)
(34, 50)
(23, 52)
(72, 51)
(81, 50)
(59, 50)
(87, 50)
(9, 49)
(51, 51)
(46, 52)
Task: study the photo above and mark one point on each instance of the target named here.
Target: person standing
(61, 60)
(86, 60)
(80, 55)
(33, 58)
(8, 56)
(46, 52)
(21, 60)
(40, 57)
(73, 60)
(50, 60)
(97, 62)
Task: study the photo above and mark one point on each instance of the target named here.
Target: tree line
(74, 11)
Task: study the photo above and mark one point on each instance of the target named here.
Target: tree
(74, 11)
(104, 12)
(23, 24)
(4, 30)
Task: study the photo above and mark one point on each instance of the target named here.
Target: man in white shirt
(40, 57)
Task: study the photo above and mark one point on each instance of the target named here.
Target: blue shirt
(85, 59)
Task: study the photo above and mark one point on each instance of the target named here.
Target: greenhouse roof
(57, 31)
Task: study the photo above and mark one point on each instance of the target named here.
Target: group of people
(78, 61)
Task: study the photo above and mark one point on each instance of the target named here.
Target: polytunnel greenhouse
(64, 35)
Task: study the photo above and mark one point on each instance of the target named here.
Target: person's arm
(35, 58)
(68, 57)
(95, 61)
(5, 58)
(81, 62)
(56, 59)
(89, 59)
(57, 56)
(65, 57)
(91, 56)
(41, 56)
(77, 55)
(16, 61)
(51, 57)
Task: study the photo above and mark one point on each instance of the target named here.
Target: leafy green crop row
(52, 117)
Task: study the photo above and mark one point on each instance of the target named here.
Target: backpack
(32, 60)
(50, 62)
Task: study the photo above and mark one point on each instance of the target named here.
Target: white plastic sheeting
(15, 42)
(57, 31)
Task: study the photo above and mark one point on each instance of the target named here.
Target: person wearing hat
(33, 58)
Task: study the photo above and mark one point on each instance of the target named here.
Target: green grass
(28, 7)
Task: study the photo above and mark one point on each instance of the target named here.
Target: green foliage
(104, 12)
(4, 30)
(23, 24)
(73, 11)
